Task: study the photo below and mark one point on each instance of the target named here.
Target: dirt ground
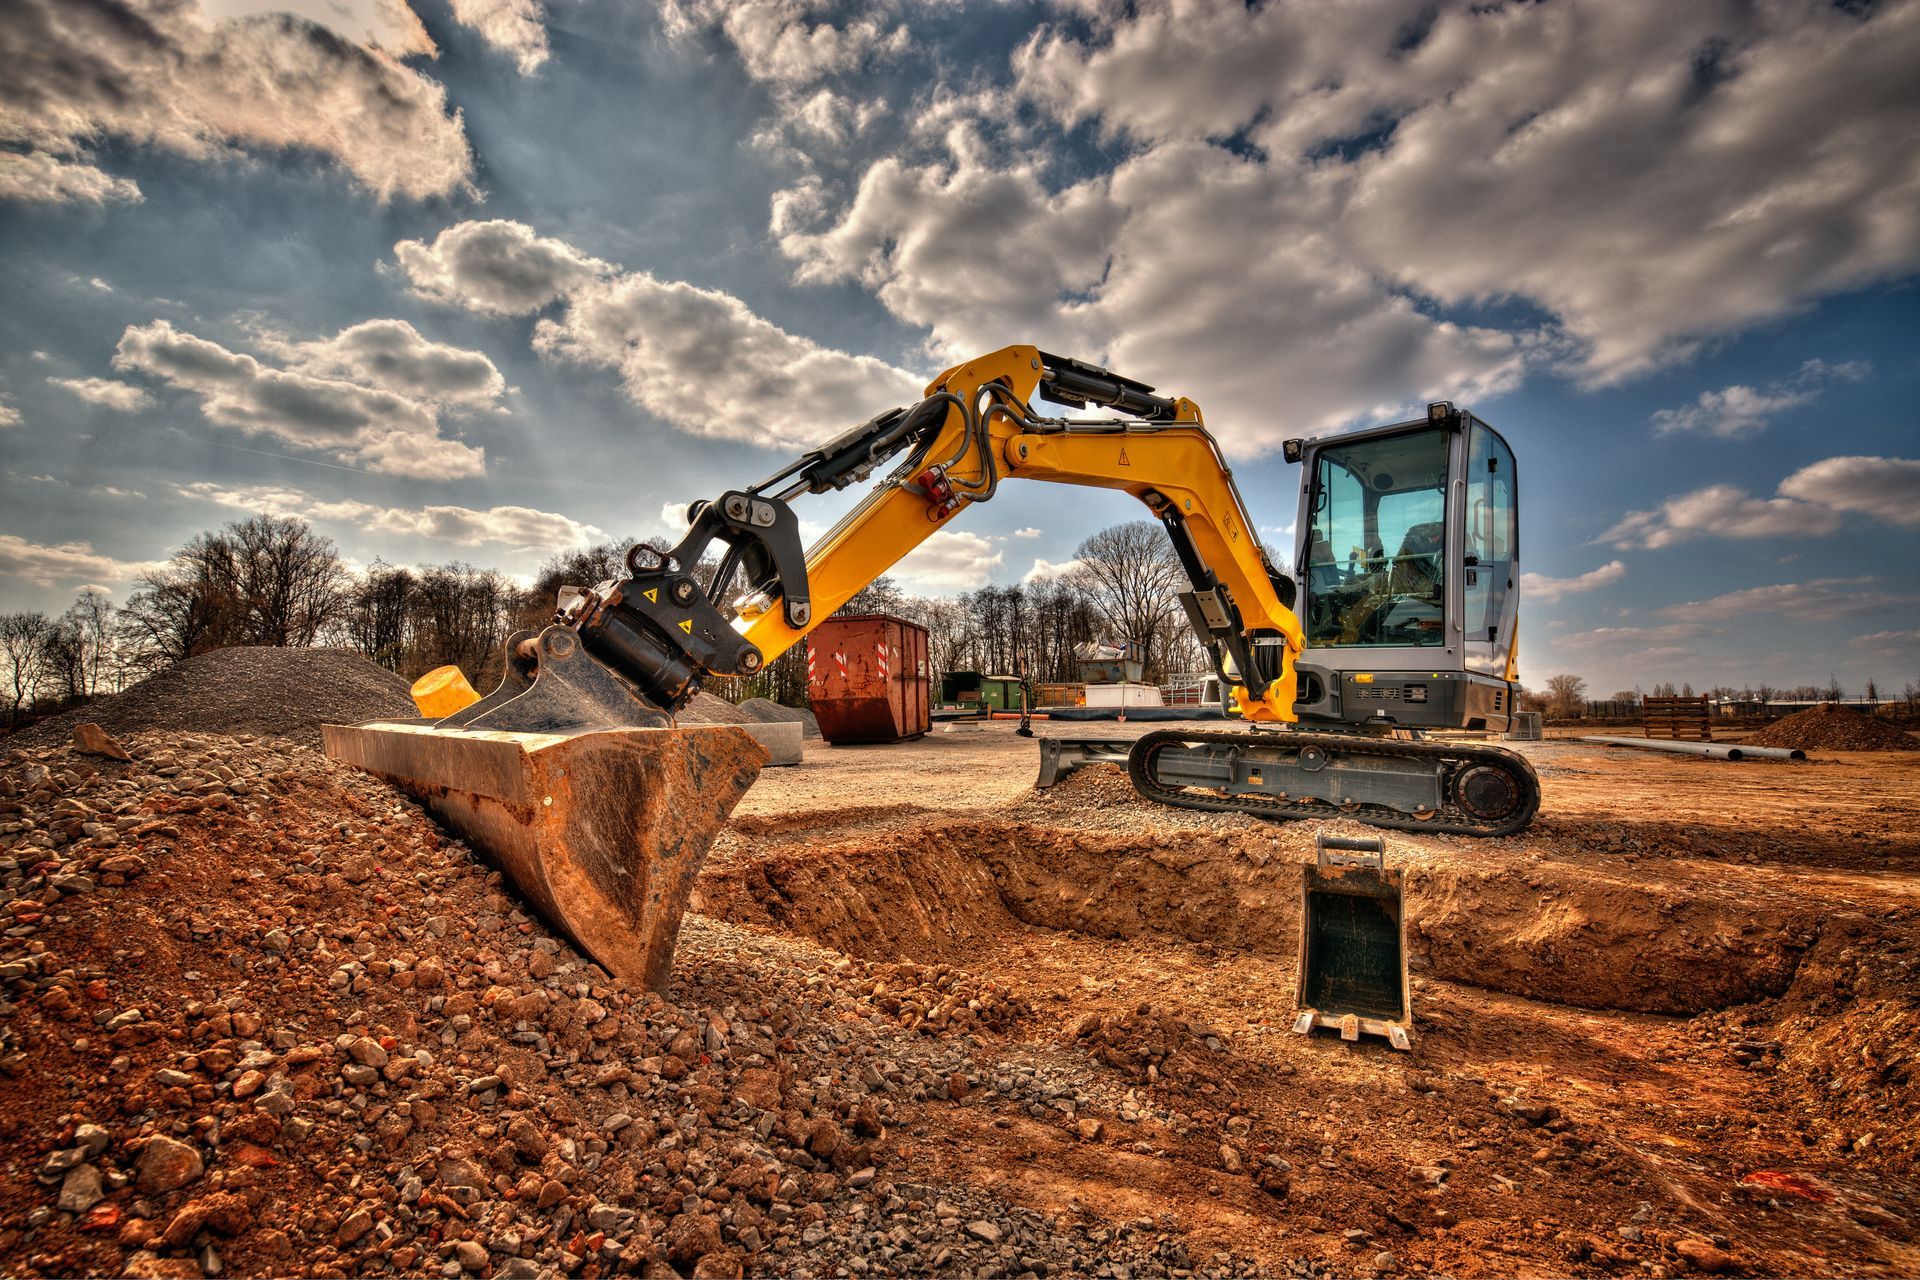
(1670, 1028)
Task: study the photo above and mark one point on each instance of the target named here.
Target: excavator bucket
(601, 832)
(595, 808)
(1353, 943)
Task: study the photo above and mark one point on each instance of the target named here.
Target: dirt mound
(281, 693)
(1833, 728)
(263, 1018)
(767, 711)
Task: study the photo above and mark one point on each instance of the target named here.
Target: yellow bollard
(443, 691)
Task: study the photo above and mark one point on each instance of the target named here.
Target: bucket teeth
(603, 832)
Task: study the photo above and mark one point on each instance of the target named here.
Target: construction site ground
(927, 1019)
(1678, 1011)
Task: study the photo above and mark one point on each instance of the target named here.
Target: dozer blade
(1353, 943)
(602, 832)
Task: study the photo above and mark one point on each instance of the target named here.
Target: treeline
(275, 581)
(1565, 696)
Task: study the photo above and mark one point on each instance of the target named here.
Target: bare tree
(266, 581)
(1133, 578)
(23, 638)
(91, 615)
(1566, 696)
(378, 617)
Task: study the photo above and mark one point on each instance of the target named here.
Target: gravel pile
(282, 693)
(259, 1016)
(767, 711)
(1828, 727)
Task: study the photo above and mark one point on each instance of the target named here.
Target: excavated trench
(1554, 931)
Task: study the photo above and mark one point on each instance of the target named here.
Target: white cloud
(497, 267)
(1028, 532)
(392, 354)
(674, 515)
(1631, 639)
(371, 425)
(1738, 411)
(948, 561)
(1188, 267)
(1811, 601)
(108, 393)
(1537, 586)
(1885, 488)
(163, 75)
(1724, 511)
(703, 361)
(778, 41)
(515, 27)
(1299, 185)
(519, 527)
(1811, 503)
(1048, 571)
(39, 177)
(64, 564)
(698, 358)
(100, 284)
(9, 416)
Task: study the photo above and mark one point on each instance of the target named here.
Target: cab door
(1490, 552)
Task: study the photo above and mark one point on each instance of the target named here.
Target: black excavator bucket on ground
(1353, 943)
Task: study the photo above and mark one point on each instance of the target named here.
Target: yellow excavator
(573, 777)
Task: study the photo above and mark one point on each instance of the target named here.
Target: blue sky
(482, 280)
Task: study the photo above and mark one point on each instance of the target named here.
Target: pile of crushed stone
(349, 1051)
(705, 708)
(273, 692)
(1829, 727)
(767, 711)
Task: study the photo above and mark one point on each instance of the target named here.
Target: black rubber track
(1450, 818)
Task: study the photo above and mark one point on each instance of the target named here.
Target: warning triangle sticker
(1123, 458)
(652, 595)
(687, 626)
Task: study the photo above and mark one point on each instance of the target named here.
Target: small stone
(367, 1052)
(471, 1255)
(1089, 1129)
(1383, 1261)
(551, 1194)
(1230, 1159)
(691, 1236)
(95, 741)
(1704, 1255)
(166, 1164)
(982, 1230)
(861, 1179)
(248, 1084)
(358, 1223)
(92, 1139)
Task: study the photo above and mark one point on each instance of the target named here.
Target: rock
(368, 1053)
(982, 1230)
(551, 1194)
(91, 1139)
(1089, 1129)
(358, 1223)
(727, 1264)
(95, 741)
(166, 1164)
(823, 1139)
(1383, 1261)
(1230, 1159)
(529, 1143)
(1703, 1255)
(471, 1256)
(80, 1190)
(691, 1236)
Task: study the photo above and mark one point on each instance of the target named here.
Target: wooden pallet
(1684, 719)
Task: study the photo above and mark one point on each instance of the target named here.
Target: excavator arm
(663, 631)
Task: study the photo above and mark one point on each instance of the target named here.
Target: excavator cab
(1407, 563)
